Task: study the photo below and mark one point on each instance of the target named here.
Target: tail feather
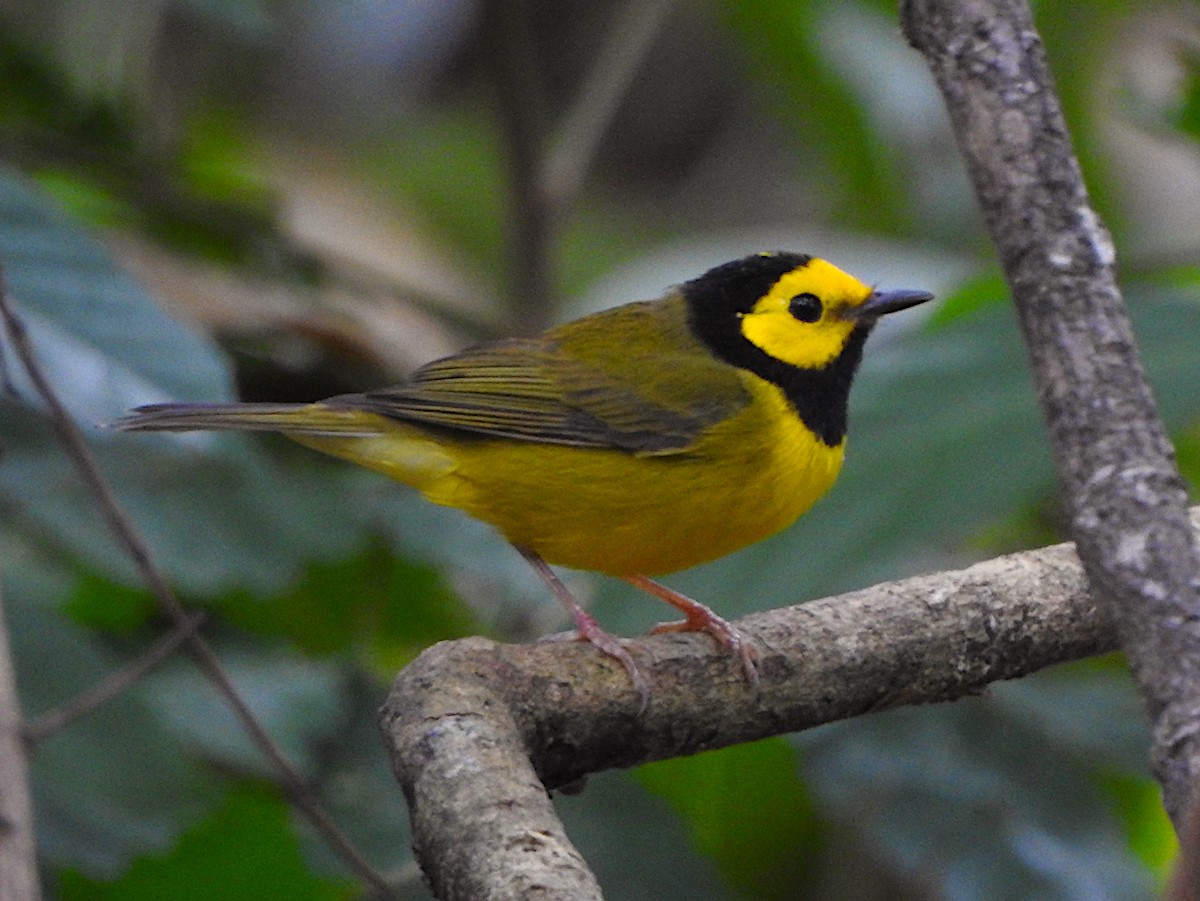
(301, 419)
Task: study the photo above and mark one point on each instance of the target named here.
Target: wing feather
(558, 390)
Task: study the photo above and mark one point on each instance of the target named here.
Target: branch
(113, 685)
(18, 858)
(512, 55)
(607, 81)
(478, 731)
(135, 545)
(544, 183)
(1126, 500)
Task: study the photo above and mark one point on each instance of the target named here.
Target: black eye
(805, 307)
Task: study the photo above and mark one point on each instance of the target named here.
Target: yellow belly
(615, 512)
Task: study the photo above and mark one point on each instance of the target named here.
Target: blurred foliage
(244, 851)
(319, 189)
(747, 811)
(352, 605)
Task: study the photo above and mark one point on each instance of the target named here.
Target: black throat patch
(715, 301)
(820, 397)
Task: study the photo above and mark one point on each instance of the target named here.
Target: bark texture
(478, 731)
(18, 856)
(1126, 500)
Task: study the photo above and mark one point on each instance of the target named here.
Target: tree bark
(18, 858)
(478, 731)
(1126, 501)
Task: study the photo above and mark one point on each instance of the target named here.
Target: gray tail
(312, 419)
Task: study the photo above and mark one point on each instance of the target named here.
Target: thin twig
(131, 539)
(574, 147)
(8, 386)
(42, 727)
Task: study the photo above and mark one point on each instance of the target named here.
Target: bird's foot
(699, 618)
(587, 629)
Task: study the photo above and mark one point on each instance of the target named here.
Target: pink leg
(699, 618)
(589, 630)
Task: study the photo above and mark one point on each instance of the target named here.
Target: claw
(699, 618)
(588, 629)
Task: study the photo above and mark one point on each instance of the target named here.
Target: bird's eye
(805, 307)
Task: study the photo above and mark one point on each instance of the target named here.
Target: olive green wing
(631, 380)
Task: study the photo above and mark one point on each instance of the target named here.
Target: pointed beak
(880, 303)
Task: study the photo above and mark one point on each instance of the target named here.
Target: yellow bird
(643, 439)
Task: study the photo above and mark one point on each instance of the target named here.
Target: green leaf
(383, 605)
(787, 40)
(300, 702)
(101, 340)
(86, 200)
(1187, 118)
(216, 514)
(994, 797)
(244, 851)
(110, 607)
(103, 797)
(747, 811)
(1137, 801)
(1187, 455)
(218, 163)
(636, 845)
(36, 101)
(449, 167)
(113, 784)
(984, 290)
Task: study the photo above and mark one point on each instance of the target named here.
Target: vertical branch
(574, 146)
(545, 181)
(1125, 497)
(520, 116)
(18, 860)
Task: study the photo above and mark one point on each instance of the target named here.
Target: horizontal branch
(478, 730)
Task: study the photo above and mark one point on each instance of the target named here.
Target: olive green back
(632, 378)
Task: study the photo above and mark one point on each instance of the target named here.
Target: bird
(635, 442)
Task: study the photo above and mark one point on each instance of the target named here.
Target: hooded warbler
(643, 439)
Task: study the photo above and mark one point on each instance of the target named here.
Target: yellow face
(801, 320)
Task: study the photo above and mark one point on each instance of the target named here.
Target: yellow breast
(747, 478)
